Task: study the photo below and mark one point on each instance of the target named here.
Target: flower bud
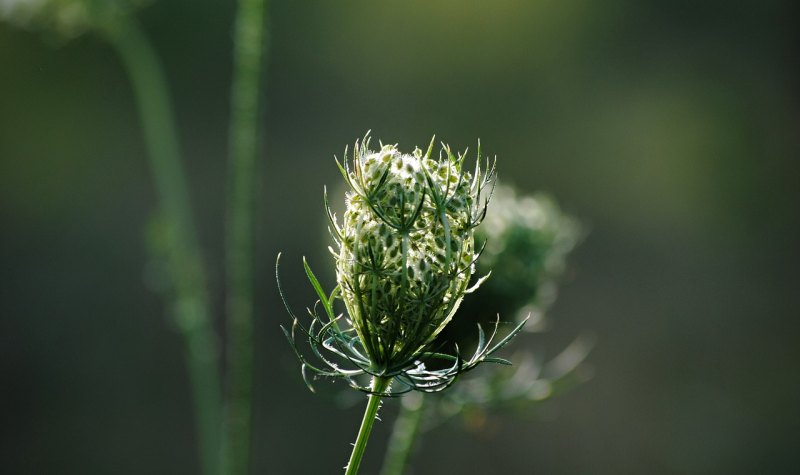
(527, 239)
(406, 248)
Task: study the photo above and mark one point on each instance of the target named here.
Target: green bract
(404, 262)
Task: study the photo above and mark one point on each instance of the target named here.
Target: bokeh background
(669, 127)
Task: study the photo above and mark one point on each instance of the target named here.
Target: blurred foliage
(67, 17)
(670, 127)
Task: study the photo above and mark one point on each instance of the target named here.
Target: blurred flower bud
(68, 18)
(527, 240)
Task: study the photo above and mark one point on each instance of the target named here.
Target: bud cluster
(406, 251)
(404, 260)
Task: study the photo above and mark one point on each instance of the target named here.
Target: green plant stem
(243, 149)
(191, 304)
(379, 385)
(405, 431)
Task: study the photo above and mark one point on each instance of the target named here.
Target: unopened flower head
(406, 249)
(527, 240)
(404, 260)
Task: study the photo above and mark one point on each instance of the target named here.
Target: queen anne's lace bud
(406, 251)
(405, 257)
(527, 240)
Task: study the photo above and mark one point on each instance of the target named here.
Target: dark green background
(669, 127)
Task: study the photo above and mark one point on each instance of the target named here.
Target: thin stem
(243, 149)
(405, 431)
(379, 385)
(190, 303)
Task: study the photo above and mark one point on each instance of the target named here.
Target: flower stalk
(379, 386)
(405, 431)
(249, 53)
(190, 303)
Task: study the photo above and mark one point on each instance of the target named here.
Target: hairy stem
(405, 431)
(243, 149)
(185, 263)
(379, 385)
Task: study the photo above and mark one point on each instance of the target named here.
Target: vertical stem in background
(379, 385)
(190, 305)
(243, 149)
(404, 434)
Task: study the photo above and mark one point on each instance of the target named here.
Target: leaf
(326, 303)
